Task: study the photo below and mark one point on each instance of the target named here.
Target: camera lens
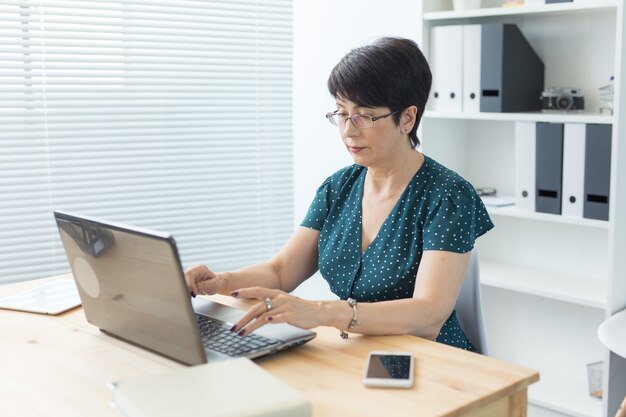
(564, 103)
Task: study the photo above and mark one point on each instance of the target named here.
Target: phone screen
(389, 367)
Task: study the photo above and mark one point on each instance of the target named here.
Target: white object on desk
(234, 388)
(498, 201)
(612, 333)
(52, 298)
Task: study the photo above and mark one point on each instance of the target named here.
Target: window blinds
(171, 114)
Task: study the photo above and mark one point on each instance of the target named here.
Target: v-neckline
(393, 209)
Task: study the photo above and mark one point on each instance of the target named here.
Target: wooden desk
(59, 366)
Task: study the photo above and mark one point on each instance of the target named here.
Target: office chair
(469, 307)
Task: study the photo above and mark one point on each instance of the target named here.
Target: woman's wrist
(337, 313)
(221, 283)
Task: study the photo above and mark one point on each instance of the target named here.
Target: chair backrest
(469, 306)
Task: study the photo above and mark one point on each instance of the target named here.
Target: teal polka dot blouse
(438, 210)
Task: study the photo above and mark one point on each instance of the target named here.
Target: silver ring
(268, 304)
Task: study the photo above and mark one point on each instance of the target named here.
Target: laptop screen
(132, 285)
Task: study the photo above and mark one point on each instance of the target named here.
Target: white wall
(324, 31)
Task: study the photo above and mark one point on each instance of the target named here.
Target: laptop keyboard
(216, 335)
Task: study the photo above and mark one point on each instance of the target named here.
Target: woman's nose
(349, 128)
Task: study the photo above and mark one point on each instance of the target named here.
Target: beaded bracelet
(355, 318)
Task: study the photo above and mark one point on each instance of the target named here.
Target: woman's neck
(388, 179)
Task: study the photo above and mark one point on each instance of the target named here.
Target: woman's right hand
(201, 280)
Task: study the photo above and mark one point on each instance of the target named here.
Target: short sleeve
(456, 221)
(319, 208)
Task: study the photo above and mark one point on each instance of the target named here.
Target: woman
(391, 234)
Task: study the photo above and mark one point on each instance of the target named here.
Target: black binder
(597, 171)
(511, 71)
(549, 168)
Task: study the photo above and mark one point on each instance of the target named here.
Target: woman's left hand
(276, 306)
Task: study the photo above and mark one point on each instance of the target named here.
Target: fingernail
(234, 293)
(242, 332)
(232, 329)
(270, 318)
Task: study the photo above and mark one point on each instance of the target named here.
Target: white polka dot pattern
(438, 210)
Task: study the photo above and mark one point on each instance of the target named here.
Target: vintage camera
(562, 98)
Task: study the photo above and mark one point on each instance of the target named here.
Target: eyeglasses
(360, 121)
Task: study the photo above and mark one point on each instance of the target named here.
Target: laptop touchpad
(219, 311)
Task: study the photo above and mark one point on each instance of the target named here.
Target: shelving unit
(543, 283)
(511, 211)
(548, 280)
(564, 395)
(546, 9)
(548, 117)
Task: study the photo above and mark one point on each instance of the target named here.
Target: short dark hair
(391, 72)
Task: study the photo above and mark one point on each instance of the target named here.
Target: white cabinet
(548, 280)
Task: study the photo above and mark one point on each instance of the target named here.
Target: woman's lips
(355, 149)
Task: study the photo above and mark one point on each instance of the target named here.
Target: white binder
(471, 68)
(525, 146)
(233, 388)
(447, 68)
(573, 169)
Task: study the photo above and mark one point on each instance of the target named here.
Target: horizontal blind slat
(175, 116)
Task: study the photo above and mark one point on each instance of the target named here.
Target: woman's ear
(408, 119)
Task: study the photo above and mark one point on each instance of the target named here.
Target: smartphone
(389, 370)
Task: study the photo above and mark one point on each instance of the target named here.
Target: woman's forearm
(259, 275)
(407, 316)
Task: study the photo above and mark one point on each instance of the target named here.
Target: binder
(525, 133)
(548, 167)
(511, 71)
(573, 169)
(597, 171)
(447, 68)
(233, 388)
(471, 68)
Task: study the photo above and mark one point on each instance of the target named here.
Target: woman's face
(374, 146)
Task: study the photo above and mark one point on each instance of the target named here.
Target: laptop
(132, 287)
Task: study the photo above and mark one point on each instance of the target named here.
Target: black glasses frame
(331, 119)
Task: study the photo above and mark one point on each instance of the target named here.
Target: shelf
(555, 8)
(543, 283)
(537, 116)
(565, 395)
(511, 211)
(563, 292)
